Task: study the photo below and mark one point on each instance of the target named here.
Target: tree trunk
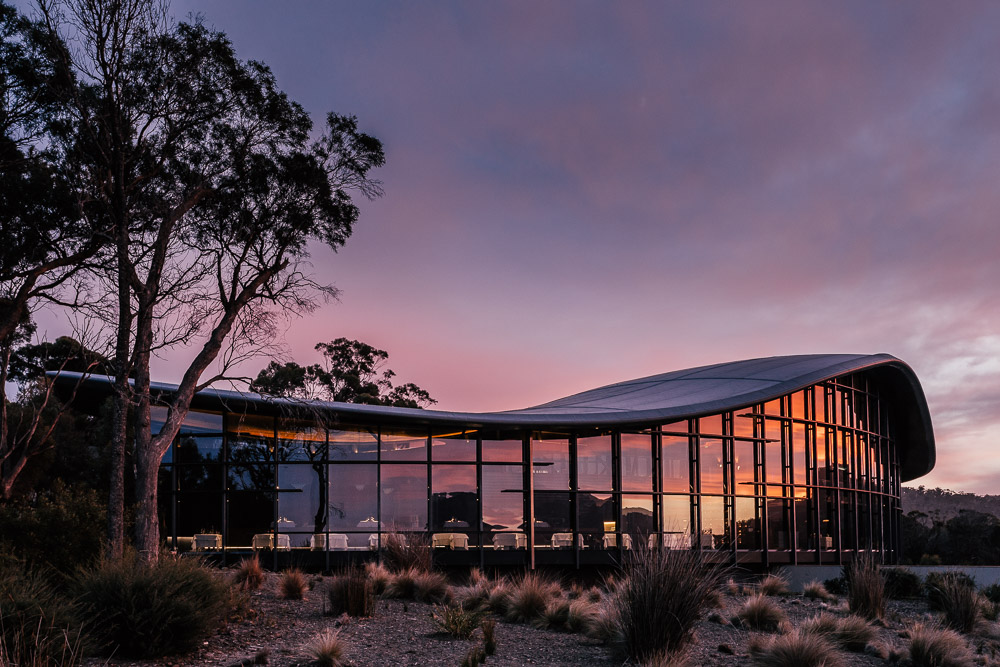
(116, 494)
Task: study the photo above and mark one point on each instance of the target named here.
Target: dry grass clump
(815, 590)
(402, 585)
(326, 649)
(352, 593)
(581, 616)
(379, 575)
(662, 596)
(555, 616)
(249, 574)
(475, 656)
(407, 553)
(760, 613)
(455, 621)
(293, 584)
(934, 646)
(431, 587)
(853, 632)
(866, 588)
(499, 599)
(489, 627)
(773, 584)
(960, 603)
(795, 649)
(529, 597)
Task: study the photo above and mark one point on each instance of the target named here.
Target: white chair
(206, 541)
(611, 541)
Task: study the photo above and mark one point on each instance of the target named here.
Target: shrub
(836, 586)
(796, 649)
(431, 587)
(933, 646)
(489, 626)
(865, 588)
(58, 531)
(992, 593)
(293, 584)
(351, 593)
(660, 599)
(37, 625)
(529, 597)
(411, 552)
(326, 649)
(151, 610)
(249, 574)
(760, 613)
(960, 603)
(814, 590)
(936, 582)
(774, 584)
(455, 621)
(902, 583)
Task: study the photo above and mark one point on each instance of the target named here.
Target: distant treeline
(949, 527)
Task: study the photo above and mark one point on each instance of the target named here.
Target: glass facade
(804, 478)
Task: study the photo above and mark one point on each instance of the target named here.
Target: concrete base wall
(800, 575)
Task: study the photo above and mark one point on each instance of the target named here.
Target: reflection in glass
(196, 421)
(677, 519)
(847, 521)
(300, 440)
(747, 524)
(454, 501)
(804, 521)
(637, 462)
(799, 453)
(710, 459)
(503, 451)
(199, 477)
(191, 449)
(594, 463)
(299, 505)
(675, 464)
(637, 517)
(459, 446)
(199, 513)
(743, 423)
(251, 476)
(777, 524)
(551, 464)
(353, 497)
(503, 497)
(404, 497)
(251, 438)
(711, 425)
(596, 516)
(680, 427)
(399, 445)
(714, 528)
(353, 444)
(743, 467)
(774, 463)
(248, 513)
(551, 516)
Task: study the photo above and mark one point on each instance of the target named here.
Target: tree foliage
(351, 372)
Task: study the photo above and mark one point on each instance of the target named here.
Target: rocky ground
(403, 633)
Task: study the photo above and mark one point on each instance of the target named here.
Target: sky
(579, 193)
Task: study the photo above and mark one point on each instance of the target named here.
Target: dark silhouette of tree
(352, 372)
(212, 183)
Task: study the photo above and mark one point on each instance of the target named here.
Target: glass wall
(801, 478)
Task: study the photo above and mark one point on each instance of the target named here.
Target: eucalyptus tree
(214, 183)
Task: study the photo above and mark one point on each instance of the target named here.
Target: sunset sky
(578, 193)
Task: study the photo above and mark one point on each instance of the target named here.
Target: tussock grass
(960, 603)
(402, 585)
(249, 574)
(795, 649)
(352, 593)
(866, 588)
(293, 584)
(815, 590)
(529, 597)
(489, 627)
(379, 575)
(475, 656)
(760, 613)
(431, 587)
(660, 598)
(773, 584)
(38, 626)
(852, 632)
(455, 621)
(555, 616)
(411, 552)
(934, 646)
(327, 649)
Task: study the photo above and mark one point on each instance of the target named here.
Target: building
(769, 461)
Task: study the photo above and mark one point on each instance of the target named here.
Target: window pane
(503, 451)
(404, 497)
(299, 507)
(251, 438)
(551, 516)
(251, 477)
(403, 446)
(199, 513)
(710, 454)
(300, 440)
(353, 497)
(675, 464)
(799, 454)
(249, 513)
(637, 517)
(191, 449)
(199, 478)
(747, 524)
(743, 467)
(503, 498)
(597, 513)
(777, 524)
(594, 463)
(743, 423)
(353, 444)
(454, 498)
(711, 425)
(713, 523)
(680, 427)
(454, 447)
(677, 520)
(551, 464)
(195, 421)
(637, 462)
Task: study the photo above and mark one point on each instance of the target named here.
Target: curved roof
(650, 400)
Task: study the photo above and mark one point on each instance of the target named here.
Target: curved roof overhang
(644, 402)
